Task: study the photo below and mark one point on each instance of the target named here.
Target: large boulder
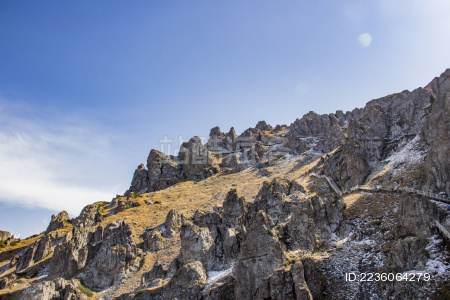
(153, 240)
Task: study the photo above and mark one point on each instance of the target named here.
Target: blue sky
(88, 88)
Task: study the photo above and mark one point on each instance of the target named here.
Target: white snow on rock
(215, 276)
(410, 154)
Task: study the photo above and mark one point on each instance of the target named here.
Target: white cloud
(364, 40)
(58, 165)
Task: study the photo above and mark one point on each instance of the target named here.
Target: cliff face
(436, 135)
(281, 212)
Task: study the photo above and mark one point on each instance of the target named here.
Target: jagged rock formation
(139, 183)
(436, 134)
(261, 254)
(173, 222)
(327, 130)
(187, 283)
(90, 216)
(271, 199)
(295, 238)
(197, 244)
(116, 256)
(56, 289)
(71, 256)
(285, 283)
(105, 255)
(196, 160)
(312, 223)
(58, 222)
(384, 124)
(233, 208)
(36, 251)
(163, 171)
(4, 236)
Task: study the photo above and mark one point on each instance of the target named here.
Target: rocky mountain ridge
(250, 216)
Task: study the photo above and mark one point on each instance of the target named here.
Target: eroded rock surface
(260, 255)
(58, 221)
(56, 289)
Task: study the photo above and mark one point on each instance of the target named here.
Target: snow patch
(409, 154)
(215, 276)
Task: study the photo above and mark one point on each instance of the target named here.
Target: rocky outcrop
(37, 251)
(436, 135)
(163, 171)
(261, 254)
(4, 283)
(327, 131)
(58, 221)
(153, 240)
(233, 208)
(313, 221)
(407, 254)
(26, 259)
(117, 255)
(334, 138)
(52, 290)
(90, 216)
(187, 283)
(385, 124)
(140, 181)
(271, 199)
(196, 160)
(262, 125)
(222, 289)
(197, 244)
(4, 236)
(43, 248)
(232, 161)
(285, 283)
(173, 222)
(216, 141)
(416, 215)
(71, 256)
(312, 124)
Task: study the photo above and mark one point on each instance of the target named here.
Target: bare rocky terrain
(338, 206)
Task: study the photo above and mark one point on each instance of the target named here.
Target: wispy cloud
(61, 163)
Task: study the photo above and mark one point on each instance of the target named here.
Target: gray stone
(58, 221)
(261, 254)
